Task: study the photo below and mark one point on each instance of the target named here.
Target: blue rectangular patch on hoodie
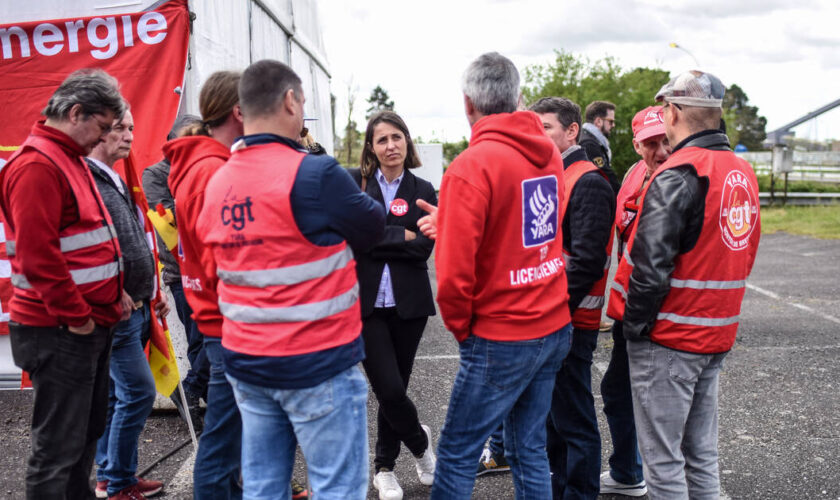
(539, 210)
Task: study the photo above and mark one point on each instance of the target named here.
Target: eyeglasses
(671, 104)
(611, 122)
(104, 127)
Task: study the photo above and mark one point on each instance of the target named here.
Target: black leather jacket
(668, 225)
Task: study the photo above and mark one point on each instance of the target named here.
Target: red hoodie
(499, 249)
(194, 160)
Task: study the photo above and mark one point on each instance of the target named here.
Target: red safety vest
(700, 313)
(626, 209)
(588, 314)
(280, 294)
(89, 245)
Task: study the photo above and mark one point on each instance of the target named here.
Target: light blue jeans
(328, 420)
(675, 402)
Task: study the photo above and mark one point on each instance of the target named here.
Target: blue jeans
(217, 462)
(198, 376)
(625, 461)
(574, 443)
(131, 396)
(496, 382)
(328, 420)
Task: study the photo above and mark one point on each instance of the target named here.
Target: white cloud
(784, 55)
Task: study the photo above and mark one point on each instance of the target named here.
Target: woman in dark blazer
(396, 296)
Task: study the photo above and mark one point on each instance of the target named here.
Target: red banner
(145, 51)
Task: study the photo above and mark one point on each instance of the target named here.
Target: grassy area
(819, 221)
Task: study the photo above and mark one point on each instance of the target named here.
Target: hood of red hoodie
(521, 130)
(184, 152)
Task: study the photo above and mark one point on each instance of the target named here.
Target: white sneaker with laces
(386, 483)
(610, 485)
(426, 464)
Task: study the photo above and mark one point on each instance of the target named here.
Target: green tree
(379, 101)
(583, 81)
(351, 140)
(743, 123)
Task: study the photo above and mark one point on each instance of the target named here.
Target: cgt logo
(539, 210)
(237, 214)
(738, 211)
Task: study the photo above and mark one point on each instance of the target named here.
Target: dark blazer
(405, 259)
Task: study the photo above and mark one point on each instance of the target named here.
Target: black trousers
(69, 375)
(390, 345)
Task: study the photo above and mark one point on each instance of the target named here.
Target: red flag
(145, 51)
(160, 352)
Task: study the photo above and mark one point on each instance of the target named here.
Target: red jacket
(41, 209)
(626, 209)
(194, 160)
(499, 249)
(280, 294)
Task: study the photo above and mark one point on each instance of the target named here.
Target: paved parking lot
(779, 408)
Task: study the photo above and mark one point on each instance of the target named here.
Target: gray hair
(96, 91)
(492, 84)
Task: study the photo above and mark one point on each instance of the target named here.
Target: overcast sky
(784, 54)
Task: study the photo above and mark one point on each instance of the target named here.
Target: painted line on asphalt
(181, 484)
(811, 310)
(792, 347)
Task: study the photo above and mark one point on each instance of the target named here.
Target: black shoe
(192, 410)
(491, 462)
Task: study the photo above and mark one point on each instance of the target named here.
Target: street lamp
(674, 45)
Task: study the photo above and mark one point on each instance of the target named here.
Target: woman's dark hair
(369, 162)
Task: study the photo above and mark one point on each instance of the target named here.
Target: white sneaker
(610, 485)
(426, 464)
(386, 483)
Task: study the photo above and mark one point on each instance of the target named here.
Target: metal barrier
(799, 199)
(817, 166)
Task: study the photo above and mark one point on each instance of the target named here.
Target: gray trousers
(675, 400)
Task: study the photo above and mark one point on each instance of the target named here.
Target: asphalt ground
(779, 403)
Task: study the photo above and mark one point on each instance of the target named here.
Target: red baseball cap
(648, 123)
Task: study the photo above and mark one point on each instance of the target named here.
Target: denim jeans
(131, 396)
(217, 462)
(329, 421)
(497, 382)
(574, 443)
(625, 461)
(675, 400)
(69, 376)
(198, 376)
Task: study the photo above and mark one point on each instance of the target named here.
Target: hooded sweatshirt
(499, 260)
(194, 160)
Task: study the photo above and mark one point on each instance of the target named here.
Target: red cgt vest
(280, 294)
(700, 313)
(588, 314)
(89, 245)
(626, 209)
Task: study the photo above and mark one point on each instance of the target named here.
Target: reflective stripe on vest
(592, 302)
(708, 285)
(626, 256)
(696, 320)
(80, 276)
(620, 289)
(289, 275)
(77, 241)
(302, 312)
